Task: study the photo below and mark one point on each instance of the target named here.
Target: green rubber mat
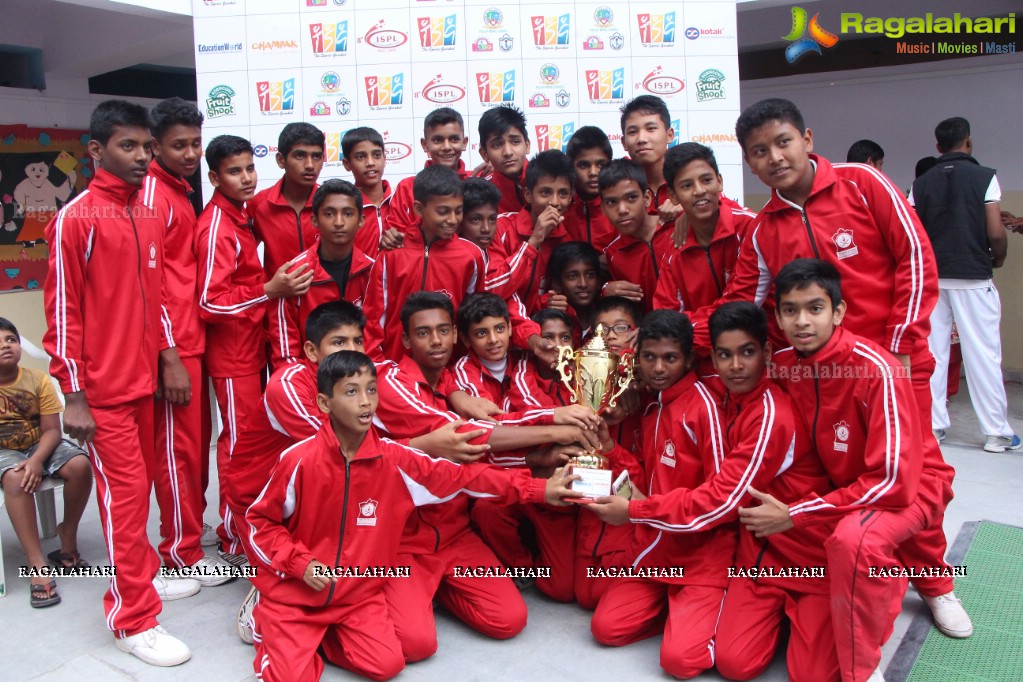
(992, 592)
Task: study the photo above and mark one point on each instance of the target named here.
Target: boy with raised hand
(438, 541)
(590, 151)
(105, 358)
(646, 133)
(504, 146)
(444, 141)
(282, 217)
(232, 300)
(181, 456)
(858, 404)
(634, 257)
(341, 271)
(322, 513)
(363, 156)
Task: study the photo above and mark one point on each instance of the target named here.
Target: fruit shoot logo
(803, 44)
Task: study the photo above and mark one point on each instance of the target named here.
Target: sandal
(67, 559)
(42, 596)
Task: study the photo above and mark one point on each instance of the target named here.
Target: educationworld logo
(803, 44)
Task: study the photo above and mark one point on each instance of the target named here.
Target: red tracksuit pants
(555, 539)
(178, 473)
(492, 606)
(634, 609)
(237, 398)
(357, 637)
(597, 546)
(861, 606)
(748, 632)
(122, 459)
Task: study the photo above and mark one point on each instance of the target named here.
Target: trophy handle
(625, 376)
(565, 356)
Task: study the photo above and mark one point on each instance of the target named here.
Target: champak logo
(329, 39)
(218, 102)
(656, 29)
(803, 44)
(496, 87)
(553, 136)
(276, 97)
(551, 31)
(437, 32)
(605, 86)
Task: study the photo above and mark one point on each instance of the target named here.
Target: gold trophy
(595, 377)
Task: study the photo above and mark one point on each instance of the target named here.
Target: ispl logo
(329, 38)
(658, 83)
(437, 31)
(551, 31)
(553, 136)
(276, 95)
(496, 87)
(442, 93)
(385, 91)
(800, 45)
(656, 29)
(395, 151)
(605, 86)
(381, 37)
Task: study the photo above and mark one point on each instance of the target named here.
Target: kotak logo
(442, 93)
(553, 136)
(329, 38)
(655, 29)
(658, 83)
(549, 31)
(276, 95)
(496, 87)
(604, 86)
(384, 38)
(382, 91)
(437, 31)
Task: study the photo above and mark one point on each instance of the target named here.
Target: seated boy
(646, 134)
(857, 402)
(31, 448)
(363, 156)
(590, 151)
(322, 513)
(573, 275)
(634, 257)
(504, 146)
(340, 269)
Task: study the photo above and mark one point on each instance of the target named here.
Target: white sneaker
(1002, 443)
(178, 588)
(876, 676)
(209, 536)
(245, 616)
(949, 615)
(156, 647)
(210, 572)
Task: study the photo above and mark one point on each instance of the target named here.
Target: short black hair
(588, 137)
(743, 316)
(552, 163)
(667, 324)
(478, 192)
(223, 147)
(172, 112)
(802, 272)
(547, 314)
(8, 326)
(425, 300)
(340, 365)
(633, 309)
(951, 133)
(327, 317)
(681, 155)
(336, 186)
(621, 170)
(862, 151)
(924, 165)
(499, 120)
(476, 307)
(298, 133)
(436, 181)
(566, 253)
(765, 111)
(357, 135)
(442, 117)
(646, 104)
(113, 113)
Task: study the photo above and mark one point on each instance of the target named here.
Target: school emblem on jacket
(668, 456)
(844, 241)
(842, 436)
(367, 513)
(152, 254)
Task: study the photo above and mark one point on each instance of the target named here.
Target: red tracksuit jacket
(636, 261)
(858, 221)
(527, 266)
(859, 407)
(585, 222)
(287, 316)
(512, 198)
(284, 233)
(169, 195)
(102, 293)
(374, 222)
(231, 296)
(401, 216)
(318, 505)
(451, 266)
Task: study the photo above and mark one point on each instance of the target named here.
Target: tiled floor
(70, 641)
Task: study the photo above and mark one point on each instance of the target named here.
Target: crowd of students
(394, 433)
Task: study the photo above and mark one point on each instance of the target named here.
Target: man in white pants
(958, 203)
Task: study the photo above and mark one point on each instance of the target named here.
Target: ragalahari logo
(496, 87)
(437, 31)
(329, 38)
(802, 44)
(553, 136)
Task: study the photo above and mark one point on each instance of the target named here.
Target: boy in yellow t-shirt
(30, 448)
